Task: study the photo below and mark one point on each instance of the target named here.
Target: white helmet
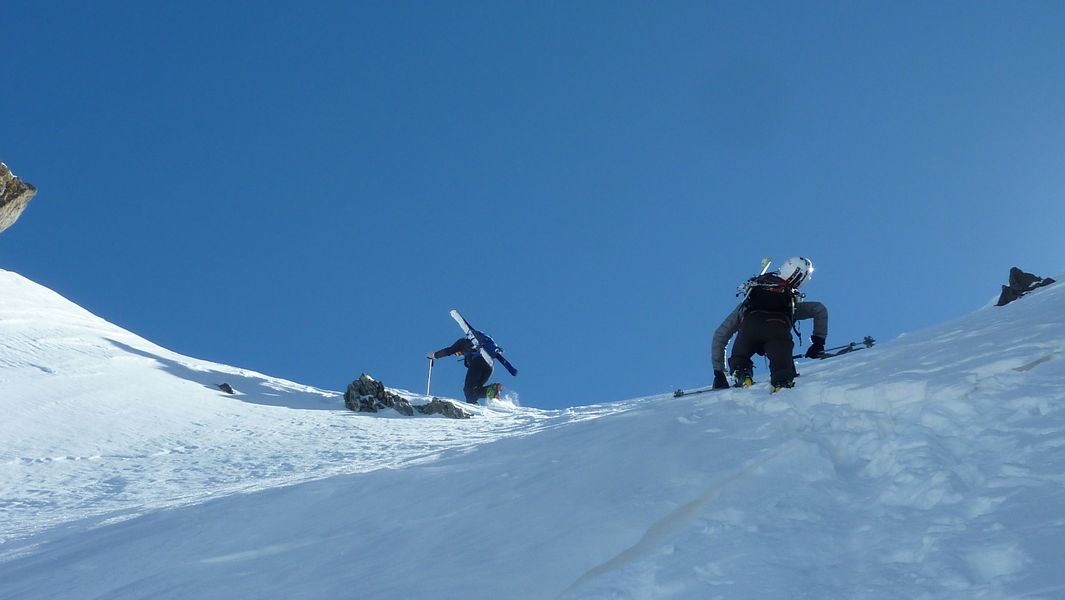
(797, 270)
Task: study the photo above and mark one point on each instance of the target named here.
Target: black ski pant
(769, 334)
(477, 373)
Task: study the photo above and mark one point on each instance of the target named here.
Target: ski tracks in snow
(914, 479)
(662, 530)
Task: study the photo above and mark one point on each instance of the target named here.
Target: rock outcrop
(366, 394)
(1020, 284)
(15, 194)
(443, 407)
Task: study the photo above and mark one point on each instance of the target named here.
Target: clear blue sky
(306, 190)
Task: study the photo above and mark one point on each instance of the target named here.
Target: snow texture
(932, 466)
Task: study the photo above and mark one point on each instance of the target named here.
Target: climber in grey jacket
(795, 268)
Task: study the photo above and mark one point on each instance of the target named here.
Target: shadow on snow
(250, 388)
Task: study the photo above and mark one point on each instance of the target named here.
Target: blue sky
(306, 191)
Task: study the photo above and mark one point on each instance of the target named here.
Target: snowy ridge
(99, 421)
(932, 466)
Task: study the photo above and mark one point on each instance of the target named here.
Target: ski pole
(867, 342)
(429, 384)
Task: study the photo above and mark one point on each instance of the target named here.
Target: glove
(720, 381)
(431, 356)
(817, 346)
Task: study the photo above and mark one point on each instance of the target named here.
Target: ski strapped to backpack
(483, 343)
(746, 286)
(867, 342)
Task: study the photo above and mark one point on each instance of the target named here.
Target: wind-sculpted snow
(932, 466)
(101, 423)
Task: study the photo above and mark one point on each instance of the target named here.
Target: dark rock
(15, 194)
(1007, 296)
(1021, 281)
(443, 407)
(366, 394)
(1020, 284)
(225, 387)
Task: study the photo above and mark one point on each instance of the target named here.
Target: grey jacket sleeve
(724, 333)
(817, 312)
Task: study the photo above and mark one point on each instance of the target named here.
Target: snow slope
(932, 466)
(98, 421)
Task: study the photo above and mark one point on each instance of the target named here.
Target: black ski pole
(867, 342)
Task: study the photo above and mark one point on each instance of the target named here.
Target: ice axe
(429, 384)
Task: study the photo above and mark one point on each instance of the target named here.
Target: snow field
(932, 466)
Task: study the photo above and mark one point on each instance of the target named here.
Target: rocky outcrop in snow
(1020, 284)
(366, 394)
(15, 194)
(442, 407)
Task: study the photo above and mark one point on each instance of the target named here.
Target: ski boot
(781, 386)
(742, 378)
(493, 391)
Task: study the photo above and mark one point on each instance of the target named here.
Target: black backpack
(770, 293)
